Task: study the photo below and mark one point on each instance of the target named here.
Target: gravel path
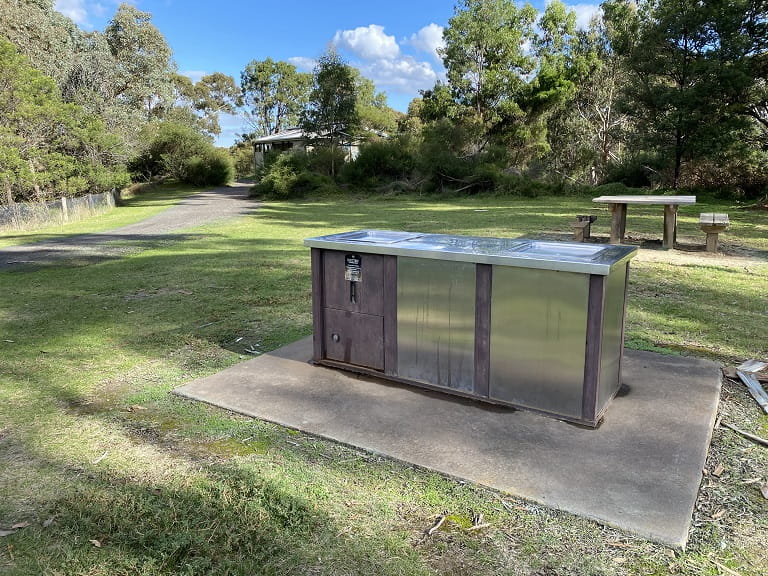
(202, 208)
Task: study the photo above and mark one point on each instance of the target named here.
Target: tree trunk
(35, 185)
(333, 158)
(678, 157)
(8, 192)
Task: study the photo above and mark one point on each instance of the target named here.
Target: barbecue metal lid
(522, 252)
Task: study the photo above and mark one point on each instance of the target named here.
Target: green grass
(134, 209)
(116, 476)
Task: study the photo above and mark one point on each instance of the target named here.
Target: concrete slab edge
(679, 542)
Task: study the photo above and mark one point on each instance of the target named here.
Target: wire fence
(26, 215)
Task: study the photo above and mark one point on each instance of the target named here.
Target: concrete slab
(639, 470)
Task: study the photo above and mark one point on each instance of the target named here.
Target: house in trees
(284, 141)
(297, 139)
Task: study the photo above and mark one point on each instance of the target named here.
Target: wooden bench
(713, 224)
(582, 227)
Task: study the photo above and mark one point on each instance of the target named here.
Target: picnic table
(618, 206)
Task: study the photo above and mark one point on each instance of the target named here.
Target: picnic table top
(645, 199)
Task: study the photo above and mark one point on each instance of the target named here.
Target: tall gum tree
(143, 61)
(331, 115)
(485, 57)
(274, 93)
(42, 34)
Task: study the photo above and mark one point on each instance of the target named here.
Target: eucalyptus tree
(143, 63)
(273, 94)
(200, 103)
(589, 130)
(487, 64)
(372, 109)
(42, 34)
(509, 71)
(331, 116)
(217, 93)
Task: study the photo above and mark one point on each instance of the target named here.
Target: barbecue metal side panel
(436, 322)
(538, 338)
(613, 330)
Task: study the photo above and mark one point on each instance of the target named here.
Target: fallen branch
(724, 568)
(210, 324)
(761, 204)
(752, 437)
(478, 526)
(100, 458)
(436, 525)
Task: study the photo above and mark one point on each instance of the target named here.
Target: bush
(641, 171)
(312, 183)
(242, 157)
(742, 174)
(441, 157)
(168, 152)
(287, 175)
(326, 160)
(212, 168)
(279, 173)
(514, 185)
(105, 179)
(381, 161)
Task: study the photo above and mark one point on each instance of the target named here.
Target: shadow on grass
(226, 519)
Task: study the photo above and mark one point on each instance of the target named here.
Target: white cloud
(302, 63)
(369, 43)
(405, 74)
(76, 10)
(428, 39)
(584, 13)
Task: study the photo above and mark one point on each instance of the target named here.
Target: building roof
(288, 135)
(297, 134)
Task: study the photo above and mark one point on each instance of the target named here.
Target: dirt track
(201, 208)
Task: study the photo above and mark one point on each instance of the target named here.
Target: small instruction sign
(352, 269)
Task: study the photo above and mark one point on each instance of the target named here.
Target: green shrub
(213, 167)
(442, 158)
(312, 183)
(168, 152)
(379, 162)
(327, 160)
(640, 171)
(243, 160)
(103, 179)
(287, 175)
(278, 175)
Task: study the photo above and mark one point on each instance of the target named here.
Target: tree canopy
(49, 147)
(274, 94)
(653, 92)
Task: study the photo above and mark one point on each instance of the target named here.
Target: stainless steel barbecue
(528, 323)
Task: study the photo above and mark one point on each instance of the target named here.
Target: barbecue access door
(354, 338)
(353, 308)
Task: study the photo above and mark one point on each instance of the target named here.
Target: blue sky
(392, 42)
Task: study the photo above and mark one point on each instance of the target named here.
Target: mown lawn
(107, 473)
